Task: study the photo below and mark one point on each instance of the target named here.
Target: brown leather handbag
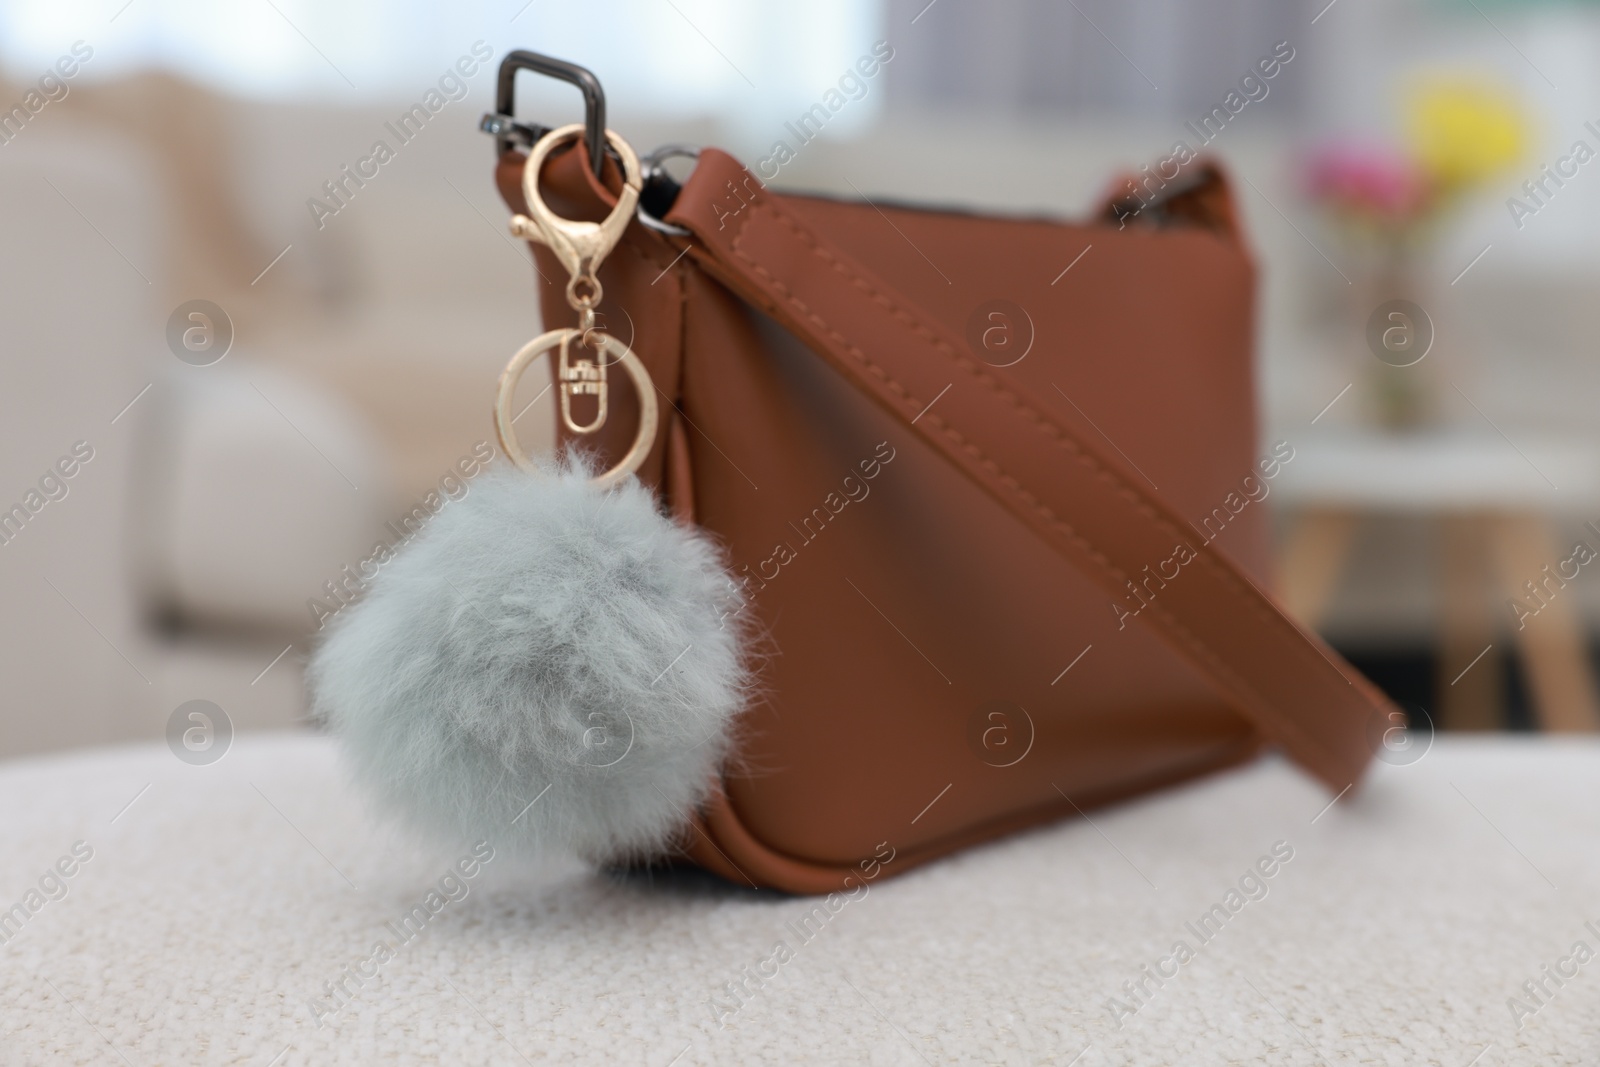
(992, 485)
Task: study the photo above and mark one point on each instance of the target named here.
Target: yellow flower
(1464, 130)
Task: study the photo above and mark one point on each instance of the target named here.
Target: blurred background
(215, 393)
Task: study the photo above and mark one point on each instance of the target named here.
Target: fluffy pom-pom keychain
(540, 641)
(552, 663)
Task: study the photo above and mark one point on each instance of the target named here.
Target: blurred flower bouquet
(1374, 194)
(1388, 202)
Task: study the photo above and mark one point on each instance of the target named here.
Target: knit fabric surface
(253, 911)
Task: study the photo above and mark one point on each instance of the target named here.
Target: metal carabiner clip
(579, 245)
(659, 187)
(502, 121)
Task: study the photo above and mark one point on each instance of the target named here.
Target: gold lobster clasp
(580, 246)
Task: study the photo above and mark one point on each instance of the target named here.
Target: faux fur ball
(546, 665)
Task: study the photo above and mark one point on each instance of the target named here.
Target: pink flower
(1369, 182)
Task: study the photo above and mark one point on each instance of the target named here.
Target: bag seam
(1099, 470)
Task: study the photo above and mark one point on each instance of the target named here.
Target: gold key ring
(608, 346)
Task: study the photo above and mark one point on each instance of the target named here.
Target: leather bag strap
(1295, 689)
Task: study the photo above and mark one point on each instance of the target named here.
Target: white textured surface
(1395, 935)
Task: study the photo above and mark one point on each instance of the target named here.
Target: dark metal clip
(502, 123)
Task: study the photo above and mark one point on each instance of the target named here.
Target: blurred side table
(1492, 503)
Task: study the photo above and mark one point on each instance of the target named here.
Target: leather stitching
(1118, 484)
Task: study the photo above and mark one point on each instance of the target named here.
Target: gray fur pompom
(541, 641)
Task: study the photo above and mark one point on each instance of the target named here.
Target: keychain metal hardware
(580, 247)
